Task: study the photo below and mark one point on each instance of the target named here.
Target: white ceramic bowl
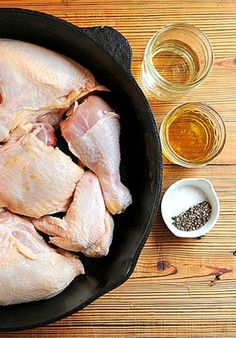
(182, 195)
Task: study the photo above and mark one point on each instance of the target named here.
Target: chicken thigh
(30, 270)
(87, 226)
(36, 179)
(92, 131)
(35, 82)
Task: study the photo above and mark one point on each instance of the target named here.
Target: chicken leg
(92, 131)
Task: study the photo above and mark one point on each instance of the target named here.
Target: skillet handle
(112, 42)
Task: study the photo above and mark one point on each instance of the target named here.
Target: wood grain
(180, 288)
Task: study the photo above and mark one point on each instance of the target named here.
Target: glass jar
(177, 59)
(192, 134)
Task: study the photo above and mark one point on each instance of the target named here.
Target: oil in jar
(190, 134)
(176, 62)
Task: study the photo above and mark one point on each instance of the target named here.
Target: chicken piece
(92, 131)
(17, 133)
(45, 133)
(101, 247)
(36, 179)
(30, 270)
(53, 119)
(35, 82)
(87, 226)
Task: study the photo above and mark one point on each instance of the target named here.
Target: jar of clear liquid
(177, 59)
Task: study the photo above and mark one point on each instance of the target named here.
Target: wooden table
(180, 288)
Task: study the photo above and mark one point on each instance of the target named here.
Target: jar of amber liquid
(192, 134)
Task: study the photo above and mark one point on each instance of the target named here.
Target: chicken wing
(87, 226)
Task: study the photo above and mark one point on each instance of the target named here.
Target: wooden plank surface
(180, 288)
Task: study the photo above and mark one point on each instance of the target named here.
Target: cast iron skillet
(108, 55)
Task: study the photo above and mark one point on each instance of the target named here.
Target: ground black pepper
(193, 218)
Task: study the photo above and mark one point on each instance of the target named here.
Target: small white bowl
(182, 195)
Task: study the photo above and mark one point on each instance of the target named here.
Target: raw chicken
(35, 82)
(45, 133)
(92, 131)
(30, 270)
(87, 226)
(36, 179)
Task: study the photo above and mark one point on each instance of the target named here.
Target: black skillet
(108, 55)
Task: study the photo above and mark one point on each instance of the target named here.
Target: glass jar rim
(166, 84)
(175, 158)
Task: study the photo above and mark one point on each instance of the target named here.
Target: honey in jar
(193, 134)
